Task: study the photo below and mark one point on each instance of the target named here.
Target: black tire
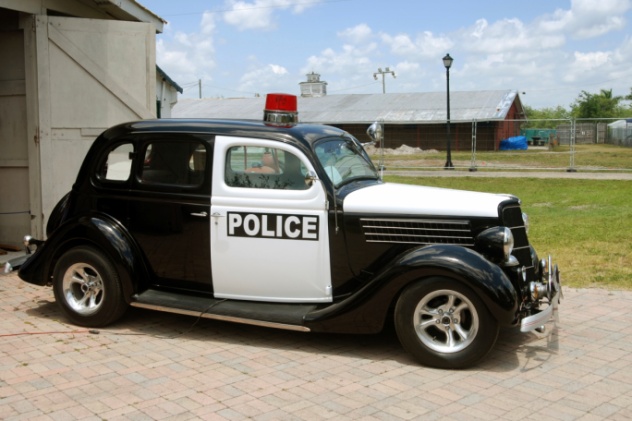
(88, 288)
(444, 324)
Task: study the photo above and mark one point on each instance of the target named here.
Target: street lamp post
(383, 72)
(447, 62)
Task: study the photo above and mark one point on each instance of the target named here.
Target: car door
(269, 233)
(169, 207)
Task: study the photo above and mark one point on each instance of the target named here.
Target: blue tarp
(515, 143)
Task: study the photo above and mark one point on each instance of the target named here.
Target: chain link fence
(508, 145)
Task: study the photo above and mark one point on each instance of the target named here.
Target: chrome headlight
(497, 244)
(508, 243)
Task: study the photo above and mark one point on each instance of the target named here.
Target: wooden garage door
(91, 74)
(14, 185)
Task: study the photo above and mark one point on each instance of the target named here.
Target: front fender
(99, 231)
(366, 310)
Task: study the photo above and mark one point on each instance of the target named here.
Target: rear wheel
(88, 288)
(444, 324)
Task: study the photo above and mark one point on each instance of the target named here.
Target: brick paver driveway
(161, 366)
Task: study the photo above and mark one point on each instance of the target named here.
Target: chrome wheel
(446, 321)
(88, 287)
(82, 288)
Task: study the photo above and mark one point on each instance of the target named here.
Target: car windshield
(344, 159)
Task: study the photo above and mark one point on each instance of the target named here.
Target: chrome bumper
(14, 264)
(538, 320)
(29, 243)
(551, 287)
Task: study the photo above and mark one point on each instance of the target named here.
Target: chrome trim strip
(421, 243)
(386, 234)
(413, 228)
(220, 317)
(423, 221)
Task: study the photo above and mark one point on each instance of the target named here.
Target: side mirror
(376, 133)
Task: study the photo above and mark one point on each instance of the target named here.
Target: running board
(275, 315)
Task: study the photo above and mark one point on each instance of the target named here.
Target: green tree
(547, 113)
(544, 118)
(601, 105)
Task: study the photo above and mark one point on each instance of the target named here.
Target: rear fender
(99, 231)
(366, 310)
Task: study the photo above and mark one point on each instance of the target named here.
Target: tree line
(602, 105)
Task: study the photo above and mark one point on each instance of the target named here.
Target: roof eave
(131, 10)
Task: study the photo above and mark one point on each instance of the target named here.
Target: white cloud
(208, 25)
(587, 65)
(587, 18)
(264, 79)
(425, 45)
(507, 35)
(344, 62)
(260, 14)
(188, 57)
(592, 60)
(278, 70)
(356, 35)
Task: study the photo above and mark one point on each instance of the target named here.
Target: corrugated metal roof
(402, 108)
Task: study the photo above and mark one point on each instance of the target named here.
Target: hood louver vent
(417, 231)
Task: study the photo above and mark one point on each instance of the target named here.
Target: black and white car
(288, 225)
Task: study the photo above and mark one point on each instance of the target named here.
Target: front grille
(512, 219)
(417, 231)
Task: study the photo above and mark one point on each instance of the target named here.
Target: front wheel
(88, 288)
(444, 324)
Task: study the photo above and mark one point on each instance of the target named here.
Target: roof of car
(301, 133)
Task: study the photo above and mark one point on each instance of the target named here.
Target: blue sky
(550, 50)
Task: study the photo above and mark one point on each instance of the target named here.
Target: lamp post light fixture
(447, 62)
(383, 72)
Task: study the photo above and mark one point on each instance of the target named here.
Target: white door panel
(268, 244)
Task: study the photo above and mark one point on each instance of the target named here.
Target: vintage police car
(288, 225)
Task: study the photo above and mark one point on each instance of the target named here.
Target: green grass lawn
(586, 225)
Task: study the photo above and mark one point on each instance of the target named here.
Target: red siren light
(280, 110)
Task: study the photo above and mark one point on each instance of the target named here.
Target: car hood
(404, 199)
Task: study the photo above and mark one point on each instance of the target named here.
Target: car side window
(118, 164)
(264, 168)
(181, 163)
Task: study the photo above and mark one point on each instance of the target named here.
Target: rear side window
(118, 163)
(264, 168)
(181, 163)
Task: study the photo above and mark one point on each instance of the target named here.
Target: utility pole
(383, 72)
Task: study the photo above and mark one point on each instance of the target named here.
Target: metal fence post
(572, 146)
(473, 160)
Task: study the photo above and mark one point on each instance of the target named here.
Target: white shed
(70, 69)
(166, 93)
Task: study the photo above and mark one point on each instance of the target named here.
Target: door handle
(217, 215)
(200, 214)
